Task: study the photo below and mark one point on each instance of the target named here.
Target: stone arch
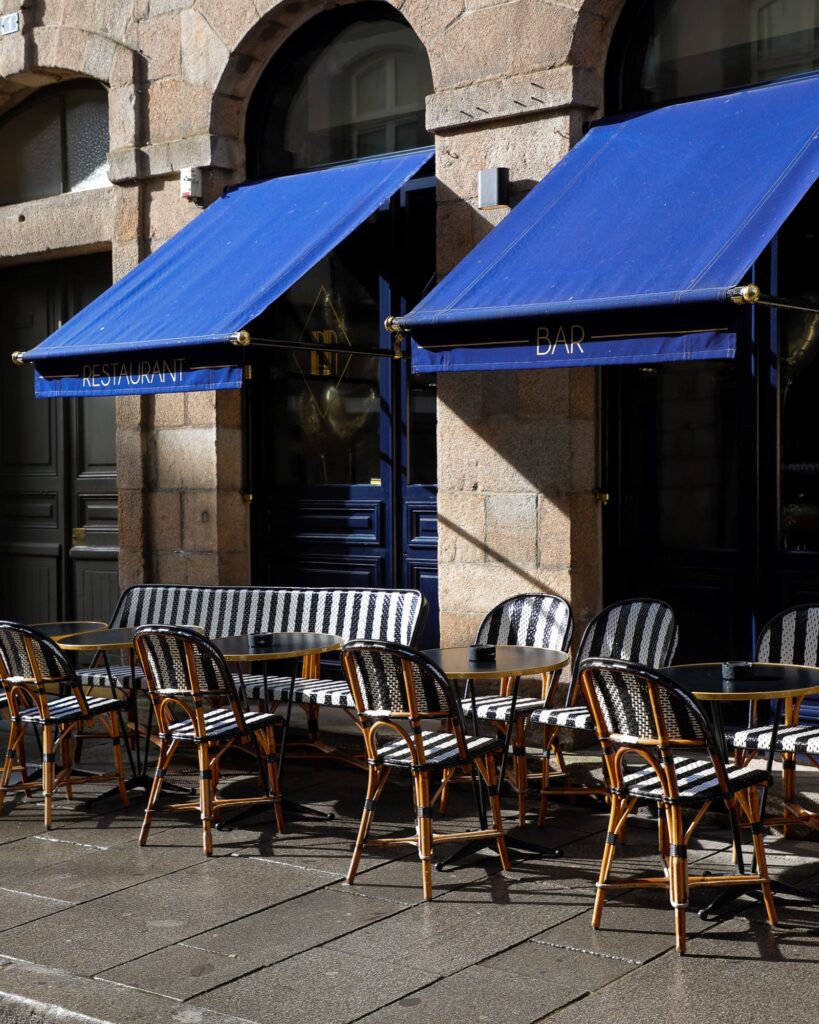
(46, 54)
(261, 41)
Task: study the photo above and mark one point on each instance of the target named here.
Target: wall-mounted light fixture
(493, 188)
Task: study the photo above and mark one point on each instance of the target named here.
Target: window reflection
(681, 48)
(799, 378)
(55, 142)
(359, 90)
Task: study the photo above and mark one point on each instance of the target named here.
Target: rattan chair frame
(551, 733)
(518, 773)
(175, 704)
(407, 726)
(657, 751)
(794, 811)
(28, 688)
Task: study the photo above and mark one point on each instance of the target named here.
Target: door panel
(57, 459)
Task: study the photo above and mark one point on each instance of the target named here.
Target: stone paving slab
(505, 998)
(323, 984)
(139, 919)
(31, 993)
(260, 940)
(95, 929)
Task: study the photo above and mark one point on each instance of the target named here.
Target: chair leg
(788, 786)
(424, 816)
(489, 770)
(445, 784)
(116, 744)
(521, 767)
(48, 772)
(548, 735)
(373, 789)
(206, 796)
(615, 811)
(752, 813)
(67, 749)
(15, 735)
(163, 760)
(677, 873)
(273, 776)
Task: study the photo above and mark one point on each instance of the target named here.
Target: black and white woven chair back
(41, 658)
(376, 672)
(529, 620)
(165, 652)
(792, 637)
(637, 704)
(640, 631)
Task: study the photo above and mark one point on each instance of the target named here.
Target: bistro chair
(195, 703)
(529, 620)
(791, 638)
(43, 693)
(658, 747)
(639, 630)
(399, 693)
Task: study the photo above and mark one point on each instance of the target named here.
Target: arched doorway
(342, 447)
(712, 467)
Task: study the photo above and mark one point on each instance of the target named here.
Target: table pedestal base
(512, 845)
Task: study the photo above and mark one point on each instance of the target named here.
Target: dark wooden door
(713, 467)
(58, 499)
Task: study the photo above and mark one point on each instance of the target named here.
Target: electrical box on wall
(190, 183)
(493, 188)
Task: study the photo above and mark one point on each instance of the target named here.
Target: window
(668, 50)
(352, 84)
(56, 141)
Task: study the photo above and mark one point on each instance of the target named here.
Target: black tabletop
(60, 630)
(765, 682)
(509, 660)
(282, 645)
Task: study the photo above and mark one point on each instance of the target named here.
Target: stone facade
(514, 81)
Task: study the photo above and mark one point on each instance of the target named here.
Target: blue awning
(628, 251)
(168, 324)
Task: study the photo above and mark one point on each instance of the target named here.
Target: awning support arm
(749, 294)
(306, 346)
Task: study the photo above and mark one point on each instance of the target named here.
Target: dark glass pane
(31, 164)
(326, 404)
(679, 456)
(682, 48)
(351, 88)
(418, 236)
(86, 133)
(799, 378)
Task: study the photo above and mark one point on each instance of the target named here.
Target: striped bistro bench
(397, 616)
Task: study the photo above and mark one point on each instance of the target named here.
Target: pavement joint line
(133, 988)
(335, 875)
(589, 952)
(70, 842)
(204, 949)
(37, 896)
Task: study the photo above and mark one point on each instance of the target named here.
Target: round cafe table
(290, 647)
(510, 661)
(57, 631)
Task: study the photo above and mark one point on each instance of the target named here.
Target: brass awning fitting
(746, 294)
(17, 358)
(396, 329)
(241, 338)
